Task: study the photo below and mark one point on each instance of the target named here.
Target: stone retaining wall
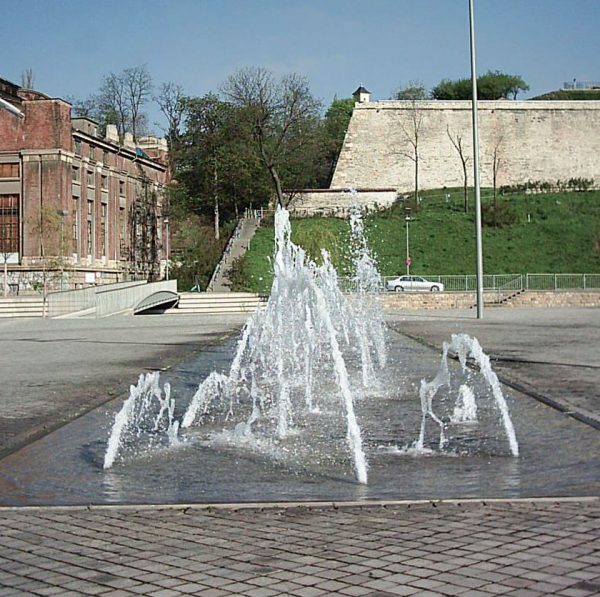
(532, 140)
(337, 202)
(465, 300)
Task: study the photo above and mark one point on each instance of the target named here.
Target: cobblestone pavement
(473, 548)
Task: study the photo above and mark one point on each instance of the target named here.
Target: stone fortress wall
(534, 140)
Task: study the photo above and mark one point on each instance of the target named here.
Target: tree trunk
(416, 179)
(5, 277)
(465, 187)
(277, 183)
(216, 197)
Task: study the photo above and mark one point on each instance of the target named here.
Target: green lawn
(549, 233)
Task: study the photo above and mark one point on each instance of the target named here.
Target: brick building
(75, 207)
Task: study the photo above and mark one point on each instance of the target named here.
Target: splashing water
(292, 373)
(145, 418)
(366, 287)
(465, 410)
(291, 360)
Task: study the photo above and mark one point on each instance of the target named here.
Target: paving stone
(364, 551)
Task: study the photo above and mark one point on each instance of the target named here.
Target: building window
(103, 230)
(90, 238)
(105, 157)
(90, 227)
(75, 218)
(76, 174)
(105, 183)
(9, 170)
(122, 231)
(92, 153)
(77, 147)
(9, 223)
(122, 188)
(90, 178)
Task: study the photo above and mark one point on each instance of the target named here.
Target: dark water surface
(559, 456)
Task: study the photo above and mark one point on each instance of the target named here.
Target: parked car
(415, 283)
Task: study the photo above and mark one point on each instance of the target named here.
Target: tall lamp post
(408, 259)
(476, 168)
(167, 248)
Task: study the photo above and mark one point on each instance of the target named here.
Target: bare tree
(497, 163)
(281, 113)
(171, 101)
(27, 78)
(119, 101)
(411, 131)
(457, 141)
(137, 84)
(112, 103)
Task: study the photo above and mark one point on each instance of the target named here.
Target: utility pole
(476, 168)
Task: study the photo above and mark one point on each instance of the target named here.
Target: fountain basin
(558, 455)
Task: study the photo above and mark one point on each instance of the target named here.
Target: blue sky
(336, 44)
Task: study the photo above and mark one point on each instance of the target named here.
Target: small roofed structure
(362, 95)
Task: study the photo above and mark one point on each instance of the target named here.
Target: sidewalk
(471, 549)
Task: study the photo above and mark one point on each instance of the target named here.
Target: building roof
(361, 89)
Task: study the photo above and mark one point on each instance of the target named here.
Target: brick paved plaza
(470, 549)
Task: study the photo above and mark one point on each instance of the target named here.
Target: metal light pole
(167, 248)
(407, 218)
(476, 168)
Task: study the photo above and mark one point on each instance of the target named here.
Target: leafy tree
(334, 127)
(214, 163)
(284, 119)
(415, 90)
(493, 85)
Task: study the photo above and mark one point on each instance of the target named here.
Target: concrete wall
(535, 140)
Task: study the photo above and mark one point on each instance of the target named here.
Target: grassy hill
(534, 233)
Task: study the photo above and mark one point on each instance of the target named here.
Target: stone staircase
(22, 306)
(237, 246)
(214, 303)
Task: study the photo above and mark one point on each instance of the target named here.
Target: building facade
(76, 208)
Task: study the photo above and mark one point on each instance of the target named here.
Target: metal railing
(562, 281)
(510, 283)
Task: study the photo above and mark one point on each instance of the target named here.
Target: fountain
(465, 408)
(299, 338)
(295, 361)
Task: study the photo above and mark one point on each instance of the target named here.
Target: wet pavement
(470, 547)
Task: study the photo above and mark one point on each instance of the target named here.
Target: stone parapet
(337, 202)
(466, 300)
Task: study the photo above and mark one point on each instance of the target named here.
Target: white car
(415, 283)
